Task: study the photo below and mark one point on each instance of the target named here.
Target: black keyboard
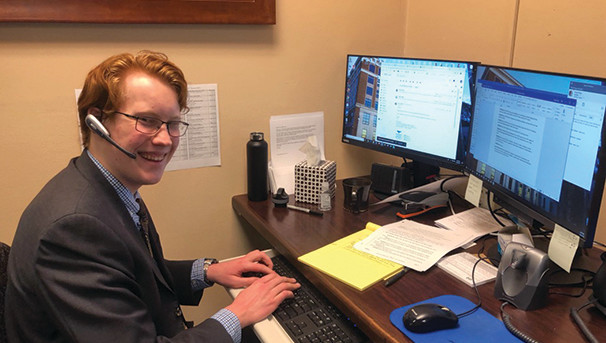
(309, 317)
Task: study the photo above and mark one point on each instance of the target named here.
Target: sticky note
(473, 192)
(562, 247)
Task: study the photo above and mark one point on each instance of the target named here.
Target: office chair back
(4, 251)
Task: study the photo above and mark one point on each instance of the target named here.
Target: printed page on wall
(200, 147)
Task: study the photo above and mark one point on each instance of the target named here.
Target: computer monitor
(537, 142)
(414, 108)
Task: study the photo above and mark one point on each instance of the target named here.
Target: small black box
(389, 179)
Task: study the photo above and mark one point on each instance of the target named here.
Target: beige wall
(552, 35)
(297, 65)
(474, 30)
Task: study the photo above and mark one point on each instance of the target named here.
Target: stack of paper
(412, 244)
(420, 246)
(461, 266)
(476, 221)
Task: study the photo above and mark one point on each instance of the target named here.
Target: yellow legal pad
(349, 265)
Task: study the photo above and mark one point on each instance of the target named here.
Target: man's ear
(96, 112)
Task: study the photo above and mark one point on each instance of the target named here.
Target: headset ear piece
(95, 125)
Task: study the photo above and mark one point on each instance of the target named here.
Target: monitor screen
(536, 141)
(412, 108)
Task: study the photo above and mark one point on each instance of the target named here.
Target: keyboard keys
(309, 317)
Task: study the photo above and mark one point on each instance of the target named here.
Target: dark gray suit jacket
(80, 272)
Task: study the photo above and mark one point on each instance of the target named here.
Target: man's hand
(262, 297)
(231, 273)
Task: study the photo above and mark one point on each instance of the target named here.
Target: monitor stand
(387, 180)
(422, 173)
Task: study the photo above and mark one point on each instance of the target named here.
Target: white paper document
(475, 222)
(200, 147)
(414, 245)
(461, 267)
(288, 133)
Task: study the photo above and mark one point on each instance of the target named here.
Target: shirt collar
(128, 198)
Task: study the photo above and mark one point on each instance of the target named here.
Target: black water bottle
(256, 162)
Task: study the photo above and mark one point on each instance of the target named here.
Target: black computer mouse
(429, 317)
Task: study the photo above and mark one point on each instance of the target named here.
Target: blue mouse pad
(479, 326)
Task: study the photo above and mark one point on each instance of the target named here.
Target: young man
(86, 264)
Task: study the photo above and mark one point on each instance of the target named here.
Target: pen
(392, 279)
(303, 209)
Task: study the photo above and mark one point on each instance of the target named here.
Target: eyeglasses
(151, 126)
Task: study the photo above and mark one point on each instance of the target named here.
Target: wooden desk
(294, 233)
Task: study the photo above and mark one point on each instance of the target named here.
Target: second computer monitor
(537, 142)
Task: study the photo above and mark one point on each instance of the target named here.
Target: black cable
(584, 288)
(475, 287)
(544, 233)
(506, 320)
(501, 211)
(515, 331)
(519, 334)
(584, 283)
(495, 262)
(574, 313)
(483, 246)
(491, 211)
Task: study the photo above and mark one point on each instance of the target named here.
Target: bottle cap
(256, 136)
(280, 199)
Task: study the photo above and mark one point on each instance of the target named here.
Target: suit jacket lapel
(95, 177)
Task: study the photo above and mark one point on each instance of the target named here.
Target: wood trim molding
(140, 11)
